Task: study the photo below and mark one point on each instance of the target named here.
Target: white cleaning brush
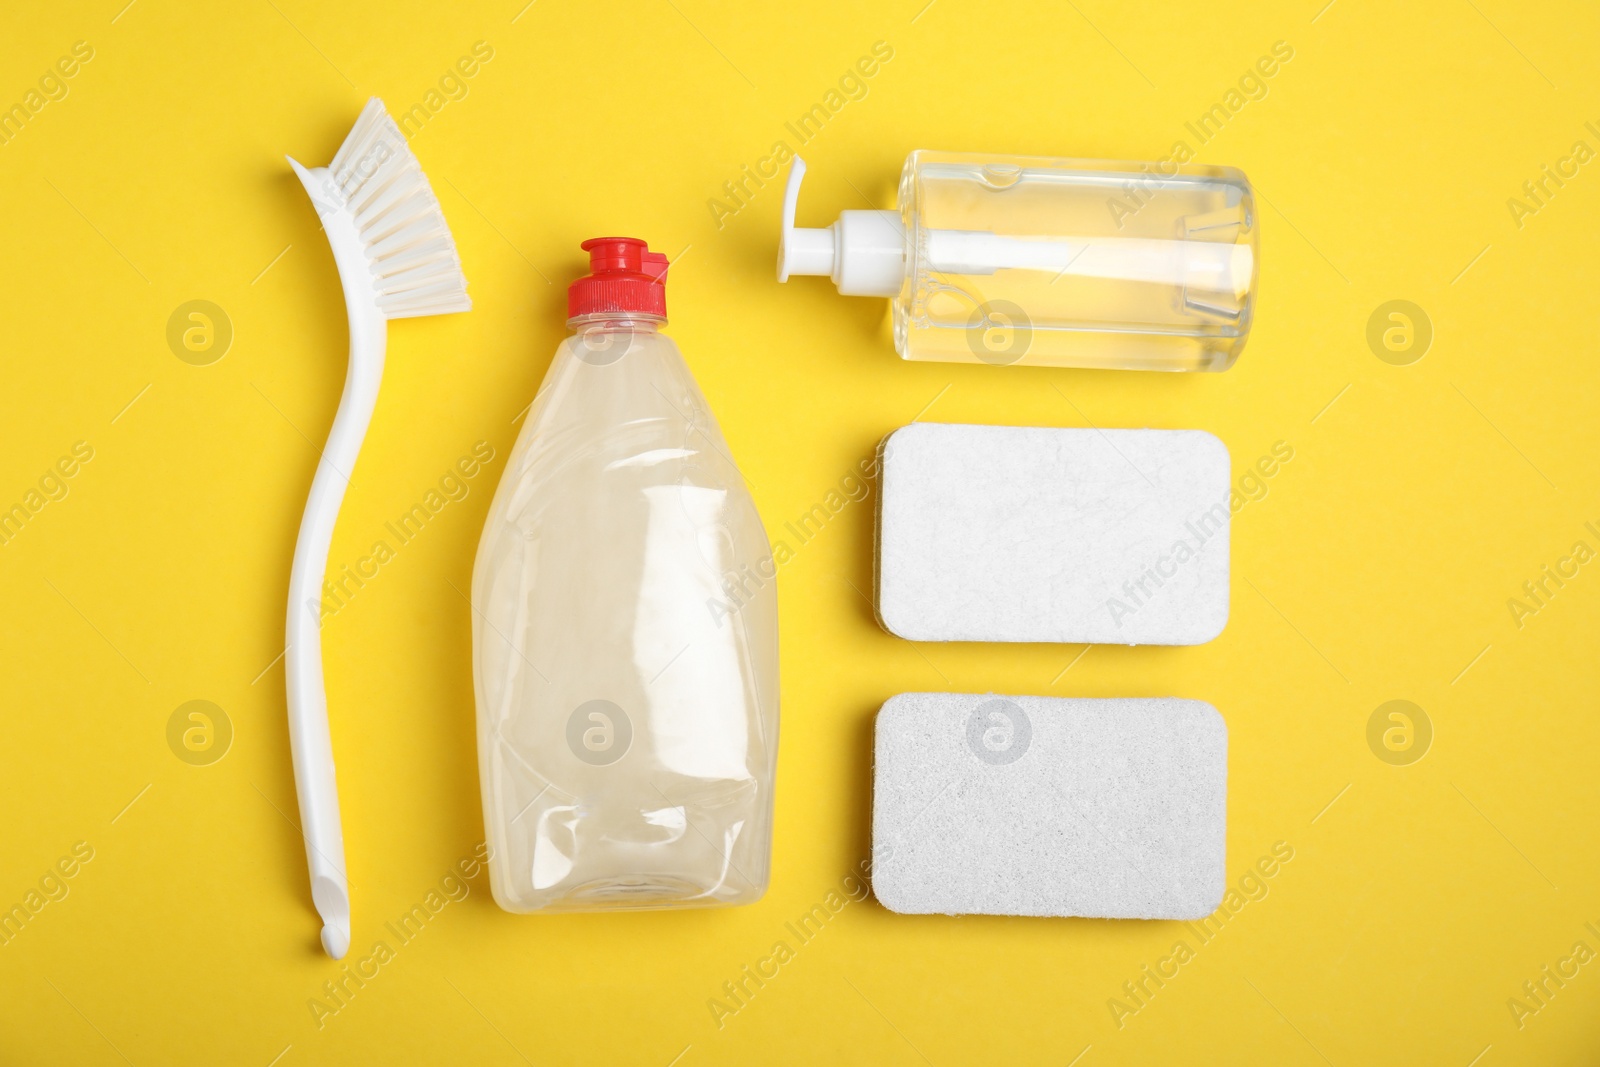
(396, 260)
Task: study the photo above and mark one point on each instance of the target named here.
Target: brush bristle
(415, 269)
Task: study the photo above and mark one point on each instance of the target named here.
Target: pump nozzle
(803, 251)
(864, 252)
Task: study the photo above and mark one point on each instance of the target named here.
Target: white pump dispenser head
(864, 252)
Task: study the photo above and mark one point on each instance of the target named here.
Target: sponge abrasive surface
(1018, 805)
(1017, 533)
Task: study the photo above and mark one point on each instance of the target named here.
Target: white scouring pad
(1016, 533)
(997, 805)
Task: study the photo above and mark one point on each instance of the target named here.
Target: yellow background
(1377, 567)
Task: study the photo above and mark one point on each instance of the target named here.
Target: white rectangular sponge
(1016, 533)
(993, 805)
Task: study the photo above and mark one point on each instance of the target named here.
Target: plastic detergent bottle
(625, 631)
(1048, 262)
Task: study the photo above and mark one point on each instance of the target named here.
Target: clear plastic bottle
(1049, 262)
(625, 628)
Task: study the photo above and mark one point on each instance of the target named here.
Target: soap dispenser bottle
(1048, 262)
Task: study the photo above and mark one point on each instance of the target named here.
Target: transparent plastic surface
(625, 644)
(1075, 263)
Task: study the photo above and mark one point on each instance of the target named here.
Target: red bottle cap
(624, 278)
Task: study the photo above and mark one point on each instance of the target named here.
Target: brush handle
(310, 741)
